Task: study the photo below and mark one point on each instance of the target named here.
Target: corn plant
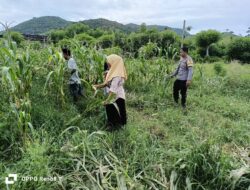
(90, 62)
(16, 80)
(171, 52)
(55, 78)
(148, 51)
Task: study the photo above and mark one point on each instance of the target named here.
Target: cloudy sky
(201, 15)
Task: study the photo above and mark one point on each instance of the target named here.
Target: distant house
(33, 37)
(36, 37)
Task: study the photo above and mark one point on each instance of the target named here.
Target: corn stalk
(16, 79)
(55, 78)
(90, 62)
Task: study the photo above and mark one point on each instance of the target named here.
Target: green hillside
(131, 27)
(41, 25)
(44, 24)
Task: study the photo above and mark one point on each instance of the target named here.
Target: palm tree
(189, 28)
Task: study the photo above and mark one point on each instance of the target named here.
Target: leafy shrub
(106, 41)
(57, 35)
(85, 38)
(76, 28)
(218, 50)
(219, 69)
(240, 49)
(15, 36)
(148, 51)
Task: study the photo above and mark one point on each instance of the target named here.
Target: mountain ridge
(42, 25)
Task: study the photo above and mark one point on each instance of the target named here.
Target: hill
(44, 24)
(131, 27)
(41, 25)
(104, 23)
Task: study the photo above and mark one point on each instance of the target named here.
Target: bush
(137, 40)
(85, 38)
(148, 51)
(219, 69)
(239, 49)
(57, 35)
(168, 37)
(106, 41)
(218, 50)
(15, 36)
(75, 29)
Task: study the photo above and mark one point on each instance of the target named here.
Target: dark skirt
(116, 114)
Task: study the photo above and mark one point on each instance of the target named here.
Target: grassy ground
(160, 148)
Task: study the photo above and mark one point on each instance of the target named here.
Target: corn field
(43, 133)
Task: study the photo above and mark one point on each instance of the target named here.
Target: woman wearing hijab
(115, 78)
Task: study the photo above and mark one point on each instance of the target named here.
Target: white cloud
(204, 14)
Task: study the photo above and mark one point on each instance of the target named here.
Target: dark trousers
(116, 115)
(75, 91)
(122, 108)
(180, 86)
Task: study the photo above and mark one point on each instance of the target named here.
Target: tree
(96, 33)
(137, 40)
(189, 28)
(75, 29)
(85, 38)
(57, 35)
(106, 41)
(205, 39)
(120, 39)
(154, 36)
(239, 49)
(143, 28)
(168, 37)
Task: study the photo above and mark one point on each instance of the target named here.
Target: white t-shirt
(116, 87)
(74, 78)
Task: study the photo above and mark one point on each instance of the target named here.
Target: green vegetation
(44, 134)
(205, 39)
(240, 49)
(207, 46)
(15, 36)
(41, 25)
(44, 24)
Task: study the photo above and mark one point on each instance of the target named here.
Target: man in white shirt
(74, 80)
